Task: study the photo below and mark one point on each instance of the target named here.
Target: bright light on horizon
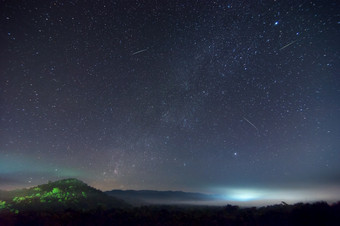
(259, 195)
(241, 195)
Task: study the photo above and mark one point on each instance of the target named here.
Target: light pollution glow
(260, 196)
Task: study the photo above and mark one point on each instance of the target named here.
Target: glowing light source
(242, 195)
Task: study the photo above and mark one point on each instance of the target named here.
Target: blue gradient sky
(205, 96)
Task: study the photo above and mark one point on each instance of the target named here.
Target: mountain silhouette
(141, 197)
(59, 195)
(72, 202)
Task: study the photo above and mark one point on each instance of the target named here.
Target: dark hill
(59, 195)
(159, 197)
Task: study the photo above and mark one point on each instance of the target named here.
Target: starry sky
(230, 97)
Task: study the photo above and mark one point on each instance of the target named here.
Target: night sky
(240, 98)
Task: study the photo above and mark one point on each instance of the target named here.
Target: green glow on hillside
(60, 194)
(56, 190)
(41, 196)
(2, 204)
(19, 199)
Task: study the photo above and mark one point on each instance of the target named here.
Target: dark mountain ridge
(138, 197)
(59, 195)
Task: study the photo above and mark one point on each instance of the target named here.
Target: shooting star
(291, 43)
(140, 51)
(251, 124)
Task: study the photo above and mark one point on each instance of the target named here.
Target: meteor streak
(140, 51)
(251, 124)
(291, 43)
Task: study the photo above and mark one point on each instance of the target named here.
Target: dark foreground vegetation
(299, 214)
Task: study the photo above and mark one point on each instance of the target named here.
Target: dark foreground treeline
(299, 214)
